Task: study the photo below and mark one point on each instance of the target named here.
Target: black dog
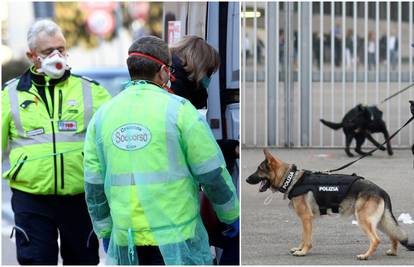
(359, 123)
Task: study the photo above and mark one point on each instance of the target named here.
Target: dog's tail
(332, 125)
(390, 226)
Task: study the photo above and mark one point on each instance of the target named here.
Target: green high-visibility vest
(46, 150)
(146, 154)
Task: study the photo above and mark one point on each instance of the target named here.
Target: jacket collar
(31, 77)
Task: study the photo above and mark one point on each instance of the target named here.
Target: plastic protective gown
(147, 152)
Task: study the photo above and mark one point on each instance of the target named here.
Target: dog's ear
(267, 154)
(361, 107)
(271, 158)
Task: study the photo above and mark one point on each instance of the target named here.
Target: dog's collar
(287, 179)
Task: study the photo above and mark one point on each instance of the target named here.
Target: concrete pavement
(269, 231)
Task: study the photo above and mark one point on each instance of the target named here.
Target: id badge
(67, 126)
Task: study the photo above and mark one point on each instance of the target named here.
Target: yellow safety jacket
(46, 141)
(147, 153)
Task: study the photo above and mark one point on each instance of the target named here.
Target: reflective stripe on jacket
(46, 150)
(146, 154)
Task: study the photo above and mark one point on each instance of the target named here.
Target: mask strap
(138, 54)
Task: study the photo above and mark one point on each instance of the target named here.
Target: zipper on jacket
(62, 173)
(62, 167)
(60, 104)
(50, 113)
(54, 153)
(18, 169)
(54, 140)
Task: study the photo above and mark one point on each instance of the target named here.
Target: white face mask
(54, 65)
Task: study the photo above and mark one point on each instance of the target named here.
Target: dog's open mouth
(264, 185)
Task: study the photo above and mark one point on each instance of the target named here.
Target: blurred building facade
(97, 33)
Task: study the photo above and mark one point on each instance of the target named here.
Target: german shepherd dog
(370, 204)
(359, 123)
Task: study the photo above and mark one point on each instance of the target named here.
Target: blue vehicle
(112, 78)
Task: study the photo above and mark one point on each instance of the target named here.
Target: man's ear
(163, 74)
(33, 58)
(30, 55)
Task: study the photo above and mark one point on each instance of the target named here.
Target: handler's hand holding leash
(375, 149)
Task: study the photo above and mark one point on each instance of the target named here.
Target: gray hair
(41, 26)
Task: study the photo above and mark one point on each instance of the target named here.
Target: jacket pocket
(19, 167)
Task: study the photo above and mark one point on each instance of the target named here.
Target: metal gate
(304, 61)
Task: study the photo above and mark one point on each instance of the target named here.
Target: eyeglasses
(171, 69)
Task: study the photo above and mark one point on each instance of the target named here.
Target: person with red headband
(147, 153)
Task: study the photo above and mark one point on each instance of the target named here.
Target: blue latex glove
(233, 229)
(105, 242)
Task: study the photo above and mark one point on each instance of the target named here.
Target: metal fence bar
(254, 54)
(321, 49)
(310, 73)
(388, 62)
(277, 71)
(299, 33)
(305, 68)
(266, 94)
(343, 64)
(332, 68)
(288, 50)
(399, 68)
(410, 53)
(377, 15)
(355, 50)
(243, 72)
(366, 53)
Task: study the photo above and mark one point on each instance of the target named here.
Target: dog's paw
(293, 250)
(382, 148)
(390, 153)
(362, 257)
(299, 253)
(391, 253)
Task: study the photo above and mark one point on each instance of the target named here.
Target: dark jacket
(183, 87)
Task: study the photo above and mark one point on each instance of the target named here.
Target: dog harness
(329, 190)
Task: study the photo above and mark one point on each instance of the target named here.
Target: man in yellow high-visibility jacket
(45, 113)
(147, 152)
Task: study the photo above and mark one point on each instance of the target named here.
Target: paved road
(267, 232)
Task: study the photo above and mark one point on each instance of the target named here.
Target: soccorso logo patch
(131, 137)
